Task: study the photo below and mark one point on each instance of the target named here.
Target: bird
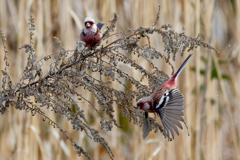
(167, 102)
(91, 34)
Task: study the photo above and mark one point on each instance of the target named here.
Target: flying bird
(167, 102)
(91, 34)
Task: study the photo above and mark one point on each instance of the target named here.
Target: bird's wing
(100, 25)
(157, 94)
(146, 126)
(170, 110)
(83, 33)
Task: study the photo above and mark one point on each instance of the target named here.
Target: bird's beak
(88, 25)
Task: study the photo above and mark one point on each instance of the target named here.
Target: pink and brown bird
(167, 102)
(91, 34)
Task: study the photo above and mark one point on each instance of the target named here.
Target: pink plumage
(91, 34)
(167, 102)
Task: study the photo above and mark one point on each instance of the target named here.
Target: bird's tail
(100, 25)
(172, 82)
(182, 66)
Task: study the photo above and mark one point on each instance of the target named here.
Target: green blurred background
(210, 83)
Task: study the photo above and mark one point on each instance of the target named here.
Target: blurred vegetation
(210, 86)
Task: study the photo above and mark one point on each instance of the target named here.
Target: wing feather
(169, 129)
(172, 125)
(171, 112)
(174, 116)
(176, 112)
(174, 122)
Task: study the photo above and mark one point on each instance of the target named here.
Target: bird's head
(144, 103)
(89, 22)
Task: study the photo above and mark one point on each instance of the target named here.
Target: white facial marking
(88, 24)
(90, 31)
(146, 106)
(89, 19)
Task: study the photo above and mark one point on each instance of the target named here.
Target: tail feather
(100, 25)
(172, 82)
(182, 66)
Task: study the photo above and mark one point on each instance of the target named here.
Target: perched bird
(91, 34)
(167, 102)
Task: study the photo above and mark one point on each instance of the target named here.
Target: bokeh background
(210, 82)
